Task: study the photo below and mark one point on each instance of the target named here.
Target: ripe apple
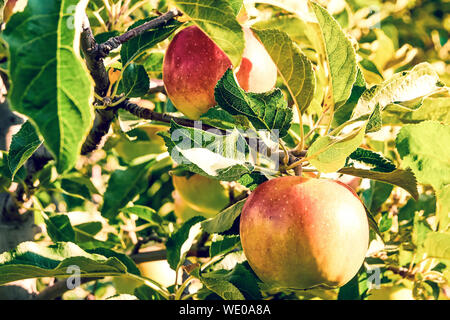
(184, 212)
(391, 293)
(193, 64)
(300, 232)
(201, 193)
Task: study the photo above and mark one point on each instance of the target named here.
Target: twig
(156, 86)
(145, 113)
(103, 50)
(403, 272)
(58, 289)
(162, 255)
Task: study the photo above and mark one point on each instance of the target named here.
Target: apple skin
(184, 212)
(201, 193)
(300, 232)
(351, 181)
(391, 293)
(193, 64)
(159, 271)
(130, 150)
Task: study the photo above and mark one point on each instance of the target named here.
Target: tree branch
(96, 67)
(58, 289)
(103, 50)
(145, 113)
(156, 86)
(202, 252)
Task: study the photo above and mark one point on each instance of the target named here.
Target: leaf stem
(183, 286)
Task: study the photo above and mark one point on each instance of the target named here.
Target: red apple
(193, 64)
(300, 232)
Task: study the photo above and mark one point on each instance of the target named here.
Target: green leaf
(223, 244)
(126, 260)
(78, 184)
(290, 24)
(135, 47)
(223, 289)
(370, 66)
(50, 84)
(406, 89)
(344, 113)
(266, 111)
(135, 82)
(224, 220)
(181, 241)
(123, 186)
(145, 213)
(431, 109)
(154, 62)
(374, 123)
(147, 293)
(379, 162)
(350, 291)
(241, 277)
(236, 5)
(33, 260)
(91, 228)
(296, 71)
(385, 223)
(443, 208)
(424, 148)
(402, 178)
(59, 228)
(300, 8)
(376, 195)
(425, 203)
(217, 19)
(339, 53)
(252, 180)
(105, 36)
(329, 153)
(23, 144)
(222, 157)
(437, 245)
(219, 118)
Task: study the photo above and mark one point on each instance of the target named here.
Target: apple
(390, 293)
(351, 181)
(300, 232)
(184, 212)
(129, 150)
(193, 64)
(201, 193)
(159, 271)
